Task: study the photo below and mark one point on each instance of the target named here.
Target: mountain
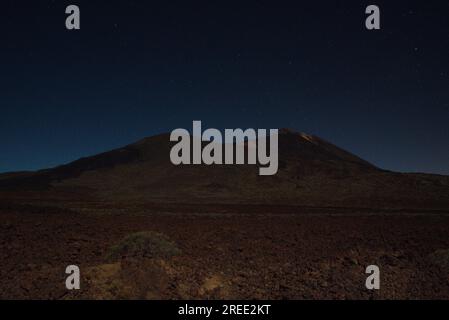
(312, 173)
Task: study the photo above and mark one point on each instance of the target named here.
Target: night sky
(138, 68)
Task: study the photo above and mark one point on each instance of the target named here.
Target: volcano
(314, 225)
(312, 173)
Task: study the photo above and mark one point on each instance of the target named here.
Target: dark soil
(224, 256)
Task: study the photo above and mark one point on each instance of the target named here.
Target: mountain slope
(312, 172)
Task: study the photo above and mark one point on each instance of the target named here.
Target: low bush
(147, 244)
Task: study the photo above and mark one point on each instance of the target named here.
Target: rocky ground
(226, 256)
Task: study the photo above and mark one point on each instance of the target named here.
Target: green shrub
(147, 244)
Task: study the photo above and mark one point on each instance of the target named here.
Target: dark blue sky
(137, 68)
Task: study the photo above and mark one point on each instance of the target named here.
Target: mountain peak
(312, 172)
(303, 135)
(287, 131)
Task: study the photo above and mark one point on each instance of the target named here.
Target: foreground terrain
(140, 227)
(225, 255)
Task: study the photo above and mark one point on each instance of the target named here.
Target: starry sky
(138, 68)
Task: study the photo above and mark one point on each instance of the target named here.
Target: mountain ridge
(312, 172)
